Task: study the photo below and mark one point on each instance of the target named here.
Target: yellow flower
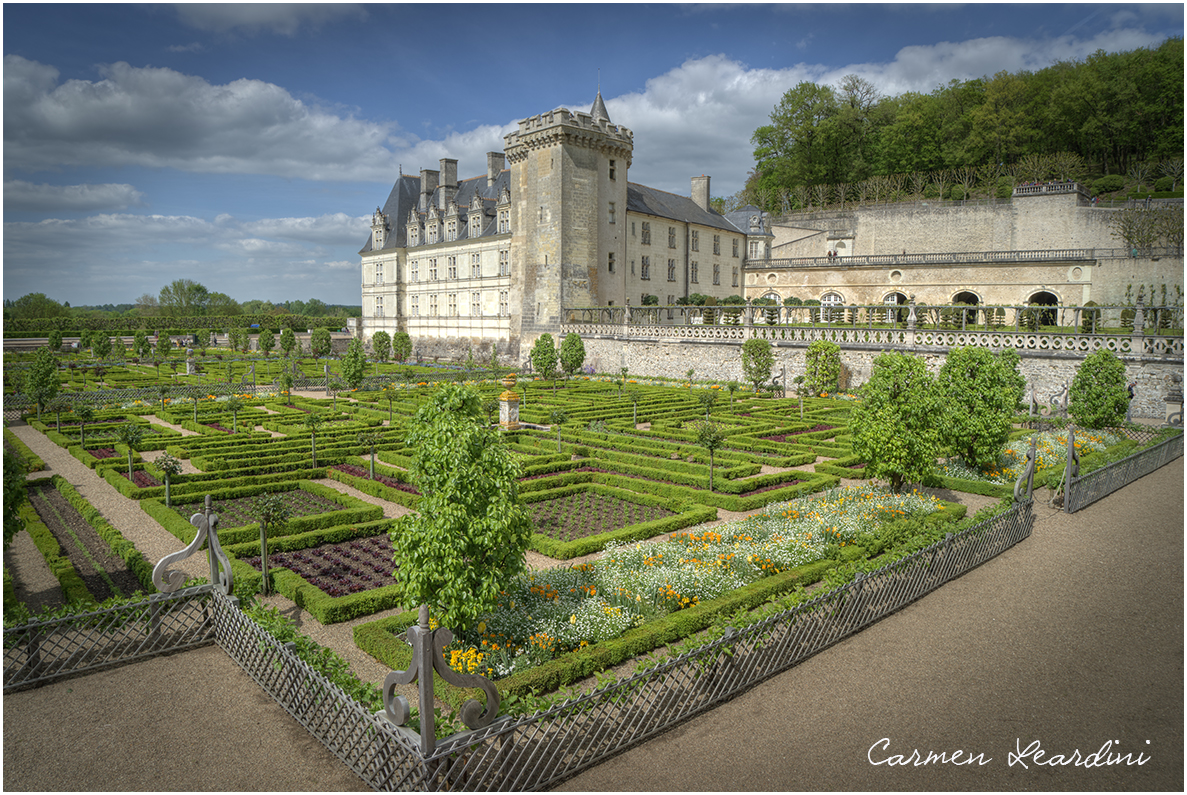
(573, 619)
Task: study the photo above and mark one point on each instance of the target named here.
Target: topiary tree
(101, 345)
(543, 358)
(234, 405)
(401, 346)
(55, 341)
(288, 341)
(319, 342)
(757, 360)
(732, 387)
(572, 354)
(633, 395)
(170, 467)
(894, 426)
(371, 440)
(266, 342)
(466, 540)
(85, 414)
(354, 364)
(709, 436)
(390, 392)
(558, 417)
(163, 345)
(1098, 396)
(313, 421)
(977, 400)
(273, 512)
(707, 397)
(131, 434)
(285, 382)
(57, 405)
(822, 367)
(41, 379)
(141, 347)
(381, 345)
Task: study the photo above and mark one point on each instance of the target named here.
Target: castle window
(829, 300)
(753, 249)
(451, 230)
(716, 273)
(414, 306)
(632, 267)
(433, 305)
(646, 234)
(474, 228)
(452, 304)
(610, 262)
(451, 262)
(504, 221)
(504, 263)
(671, 237)
(633, 229)
(692, 272)
(379, 273)
(716, 244)
(475, 266)
(432, 233)
(504, 307)
(646, 274)
(379, 306)
(671, 270)
(612, 169)
(433, 270)
(696, 240)
(475, 304)
(414, 271)
(413, 236)
(735, 282)
(735, 242)
(611, 212)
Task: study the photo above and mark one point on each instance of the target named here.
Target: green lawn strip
(354, 510)
(32, 462)
(98, 569)
(73, 587)
(686, 516)
(120, 546)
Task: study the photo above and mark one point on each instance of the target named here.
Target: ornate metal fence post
(1072, 470)
(220, 566)
(1027, 475)
(427, 655)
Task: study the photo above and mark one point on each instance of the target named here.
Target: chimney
(700, 191)
(495, 163)
(448, 182)
(428, 184)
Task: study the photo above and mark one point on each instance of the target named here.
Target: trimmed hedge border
(33, 462)
(74, 590)
(120, 546)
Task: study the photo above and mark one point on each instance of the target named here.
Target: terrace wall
(721, 360)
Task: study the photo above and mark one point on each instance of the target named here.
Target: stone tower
(568, 213)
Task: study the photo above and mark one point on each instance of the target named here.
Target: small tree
(1098, 397)
(467, 538)
(707, 397)
(163, 391)
(401, 346)
(285, 382)
(688, 374)
(234, 405)
(977, 400)
(313, 421)
(319, 342)
(543, 358)
(163, 345)
(757, 360)
(57, 405)
(572, 354)
(288, 341)
(131, 434)
(141, 347)
(633, 395)
(55, 341)
(894, 426)
(170, 467)
(822, 367)
(354, 364)
(390, 392)
(381, 345)
(41, 379)
(732, 387)
(85, 414)
(709, 436)
(371, 440)
(273, 512)
(266, 342)
(101, 345)
(558, 418)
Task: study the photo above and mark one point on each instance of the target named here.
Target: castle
(554, 224)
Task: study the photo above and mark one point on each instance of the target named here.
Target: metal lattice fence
(42, 651)
(1083, 491)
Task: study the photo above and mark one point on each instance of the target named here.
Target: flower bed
(588, 513)
(363, 472)
(142, 479)
(241, 511)
(339, 569)
(102, 452)
(1050, 453)
(783, 437)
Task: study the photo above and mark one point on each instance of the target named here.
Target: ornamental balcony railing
(963, 258)
(1133, 331)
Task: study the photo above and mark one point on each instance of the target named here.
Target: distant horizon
(244, 146)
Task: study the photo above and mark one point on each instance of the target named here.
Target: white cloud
(251, 18)
(29, 197)
(162, 118)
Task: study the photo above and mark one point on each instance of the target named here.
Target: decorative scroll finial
(220, 566)
(1027, 475)
(428, 647)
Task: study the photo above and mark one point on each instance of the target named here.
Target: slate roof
(741, 219)
(405, 195)
(642, 199)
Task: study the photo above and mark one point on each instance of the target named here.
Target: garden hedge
(73, 587)
(120, 546)
(33, 462)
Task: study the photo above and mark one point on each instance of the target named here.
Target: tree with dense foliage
(273, 511)
(101, 345)
(266, 342)
(234, 404)
(558, 417)
(977, 402)
(572, 354)
(85, 414)
(822, 367)
(288, 341)
(370, 440)
(41, 379)
(15, 493)
(141, 347)
(895, 428)
(35, 305)
(285, 383)
(634, 394)
(183, 297)
(543, 357)
(319, 342)
(354, 364)
(55, 341)
(381, 344)
(131, 434)
(466, 540)
(757, 360)
(709, 436)
(1098, 396)
(401, 346)
(707, 397)
(170, 467)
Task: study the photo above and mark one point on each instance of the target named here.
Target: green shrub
(1108, 184)
(1098, 397)
(822, 367)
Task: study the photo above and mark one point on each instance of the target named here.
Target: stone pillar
(509, 405)
(1174, 400)
(189, 361)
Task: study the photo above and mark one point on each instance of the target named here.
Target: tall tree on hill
(183, 297)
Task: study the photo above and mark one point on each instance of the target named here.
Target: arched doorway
(830, 301)
(969, 299)
(899, 315)
(1045, 317)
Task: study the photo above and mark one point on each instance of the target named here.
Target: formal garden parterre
(625, 465)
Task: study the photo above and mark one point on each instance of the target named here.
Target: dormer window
(504, 221)
(451, 230)
(414, 236)
(475, 227)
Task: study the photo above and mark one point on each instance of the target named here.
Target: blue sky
(245, 146)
